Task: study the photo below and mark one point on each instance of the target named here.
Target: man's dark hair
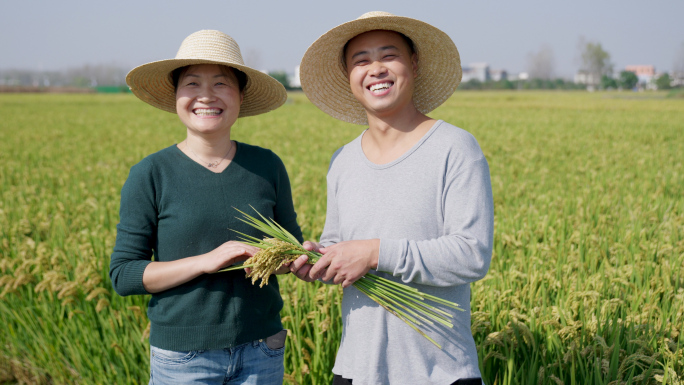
(407, 40)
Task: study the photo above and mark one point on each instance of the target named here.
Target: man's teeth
(208, 111)
(380, 86)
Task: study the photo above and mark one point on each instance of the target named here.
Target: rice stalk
(280, 247)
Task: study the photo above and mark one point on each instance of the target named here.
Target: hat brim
(324, 80)
(152, 84)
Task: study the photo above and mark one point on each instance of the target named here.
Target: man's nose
(377, 68)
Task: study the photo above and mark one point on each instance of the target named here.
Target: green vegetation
(531, 84)
(586, 283)
(663, 82)
(283, 78)
(628, 80)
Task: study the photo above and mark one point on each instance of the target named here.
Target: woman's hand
(160, 276)
(225, 255)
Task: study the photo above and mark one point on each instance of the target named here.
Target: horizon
(273, 37)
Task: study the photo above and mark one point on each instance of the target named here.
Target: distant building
(294, 80)
(482, 73)
(645, 73)
(477, 71)
(498, 75)
(519, 76)
(677, 79)
(585, 77)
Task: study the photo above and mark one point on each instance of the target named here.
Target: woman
(178, 216)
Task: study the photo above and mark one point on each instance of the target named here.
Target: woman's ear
(414, 63)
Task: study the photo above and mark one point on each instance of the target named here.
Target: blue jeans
(251, 363)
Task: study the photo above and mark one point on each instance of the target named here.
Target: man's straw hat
(324, 78)
(152, 82)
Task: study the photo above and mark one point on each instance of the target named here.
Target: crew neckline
(405, 155)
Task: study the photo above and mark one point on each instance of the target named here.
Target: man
(409, 199)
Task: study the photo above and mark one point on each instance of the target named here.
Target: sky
(273, 35)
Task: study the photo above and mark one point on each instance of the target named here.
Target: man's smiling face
(381, 70)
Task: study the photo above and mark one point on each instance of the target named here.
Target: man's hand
(346, 262)
(299, 267)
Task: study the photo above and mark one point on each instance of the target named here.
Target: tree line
(595, 65)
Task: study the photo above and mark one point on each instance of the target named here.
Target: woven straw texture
(324, 78)
(152, 82)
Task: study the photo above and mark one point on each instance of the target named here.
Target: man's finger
(319, 267)
(338, 279)
(332, 273)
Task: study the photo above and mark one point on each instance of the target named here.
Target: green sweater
(173, 208)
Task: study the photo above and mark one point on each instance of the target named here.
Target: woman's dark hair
(241, 77)
(407, 40)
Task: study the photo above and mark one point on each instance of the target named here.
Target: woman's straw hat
(152, 82)
(324, 78)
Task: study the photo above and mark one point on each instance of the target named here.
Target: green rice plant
(588, 250)
(585, 284)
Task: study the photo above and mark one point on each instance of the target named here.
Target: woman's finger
(303, 273)
(298, 263)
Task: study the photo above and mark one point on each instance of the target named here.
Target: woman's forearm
(160, 276)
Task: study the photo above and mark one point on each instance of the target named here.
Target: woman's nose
(206, 94)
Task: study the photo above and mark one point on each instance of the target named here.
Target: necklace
(215, 163)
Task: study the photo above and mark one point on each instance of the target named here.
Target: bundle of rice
(405, 302)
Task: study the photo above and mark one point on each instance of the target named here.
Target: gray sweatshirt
(432, 210)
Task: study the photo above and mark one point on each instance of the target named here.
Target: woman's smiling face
(381, 70)
(208, 98)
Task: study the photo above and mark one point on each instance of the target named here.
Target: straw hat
(324, 78)
(152, 82)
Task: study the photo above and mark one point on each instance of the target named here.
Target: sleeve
(135, 233)
(284, 211)
(464, 252)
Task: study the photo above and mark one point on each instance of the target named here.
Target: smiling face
(208, 98)
(381, 70)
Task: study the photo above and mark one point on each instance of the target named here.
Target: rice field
(586, 284)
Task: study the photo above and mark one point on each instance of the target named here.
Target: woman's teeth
(207, 111)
